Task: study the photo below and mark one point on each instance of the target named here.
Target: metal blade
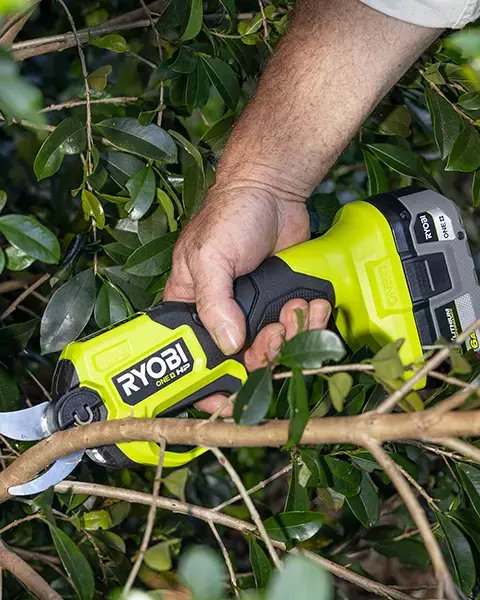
(25, 425)
(60, 469)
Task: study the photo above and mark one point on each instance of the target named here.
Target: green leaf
(366, 505)
(310, 349)
(460, 554)
(69, 137)
(121, 166)
(223, 77)
(197, 88)
(142, 191)
(112, 42)
(339, 385)
(3, 199)
(135, 288)
(153, 258)
(176, 481)
(298, 402)
(332, 499)
(476, 189)
(167, 205)
(387, 362)
(202, 571)
(446, 122)
(30, 236)
(117, 252)
(97, 519)
(110, 306)
(193, 190)
(261, 566)
(158, 557)
(403, 161)
(9, 392)
(16, 259)
(253, 400)
(396, 122)
(377, 179)
(300, 578)
(465, 153)
(470, 477)
(195, 20)
(185, 61)
(409, 552)
(218, 131)
(153, 226)
(189, 147)
(297, 497)
(98, 79)
(68, 312)
(119, 512)
(15, 337)
(150, 141)
(470, 101)
(75, 564)
(18, 99)
(3, 260)
(459, 364)
(316, 473)
(92, 208)
(342, 476)
(289, 526)
(432, 74)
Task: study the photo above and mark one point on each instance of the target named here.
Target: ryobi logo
(156, 371)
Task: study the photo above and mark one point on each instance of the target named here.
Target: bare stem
(8, 311)
(160, 56)
(73, 103)
(226, 557)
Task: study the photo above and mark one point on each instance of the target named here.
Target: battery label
(433, 226)
(454, 317)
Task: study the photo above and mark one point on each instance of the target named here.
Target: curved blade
(25, 425)
(60, 469)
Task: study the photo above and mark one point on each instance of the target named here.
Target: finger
(290, 319)
(179, 286)
(265, 346)
(218, 311)
(319, 312)
(213, 403)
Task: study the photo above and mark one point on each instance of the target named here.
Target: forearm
(337, 61)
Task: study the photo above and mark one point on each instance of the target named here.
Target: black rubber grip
(261, 295)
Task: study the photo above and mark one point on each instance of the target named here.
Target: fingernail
(276, 342)
(227, 338)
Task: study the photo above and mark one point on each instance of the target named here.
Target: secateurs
(394, 266)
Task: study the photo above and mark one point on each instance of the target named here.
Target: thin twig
(150, 521)
(436, 360)
(454, 106)
(449, 379)
(255, 488)
(40, 385)
(73, 103)
(456, 400)
(264, 20)
(24, 295)
(463, 448)
(222, 459)
(226, 557)
(208, 514)
(442, 573)
(324, 370)
(140, 58)
(418, 487)
(160, 56)
(18, 522)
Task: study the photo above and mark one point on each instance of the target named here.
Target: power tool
(394, 266)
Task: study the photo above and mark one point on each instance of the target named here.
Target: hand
(236, 229)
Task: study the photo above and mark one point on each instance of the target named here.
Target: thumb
(218, 311)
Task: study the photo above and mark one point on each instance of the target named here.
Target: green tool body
(395, 266)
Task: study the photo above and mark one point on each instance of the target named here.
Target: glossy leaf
(135, 288)
(153, 258)
(396, 122)
(150, 141)
(67, 312)
(75, 564)
(342, 476)
(125, 232)
(30, 236)
(193, 190)
(316, 472)
(92, 208)
(339, 385)
(184, 61)
(470, 477)
(202, 571)
(189, 147)
(176, 481)
(298, 402)
(403, 161)
(253, 400)
(366, 505)
(167, 205)
(98, 79)
(153, 226)
(69, 137)
(377, 179)
(310, 349)
(3, 199)
(465, 153)
(158, 557)
(112, 42)
(15, 337)
(97, 519)
(109, 306)
(476, 189)
(197, 88)
(293, 526)
(195, 20)
(224, 79)
(460, 554)
(261, 566)
(142, 192)
(409, 552)
(297, 497)
(300, 578)
(117, 252)
(121, 166)
(387, 362)
(446, 122)
(9, 392)
(332, 499)
(16, 260)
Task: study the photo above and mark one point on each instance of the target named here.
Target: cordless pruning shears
(394, 266)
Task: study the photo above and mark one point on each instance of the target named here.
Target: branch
(72, 103)
(8, 311)
(14, 24)
(208, 514)
(442, 573)
(193, 432)
(463, 448)
(226, 558)
(148, 14)
(390, 403)
(28, 576)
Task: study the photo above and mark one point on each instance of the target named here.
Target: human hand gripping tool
(394, 266)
